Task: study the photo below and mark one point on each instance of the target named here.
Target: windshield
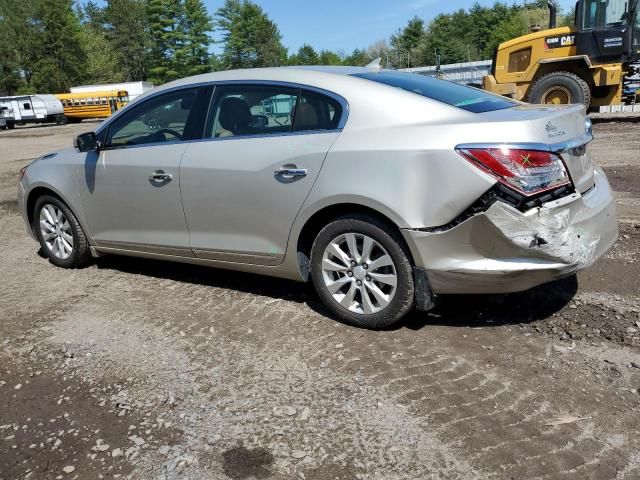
(460, 96)
(606, 13)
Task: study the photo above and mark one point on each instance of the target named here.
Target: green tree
(406, 41)
(103, 63)
(58, 57)
(448, 35)
(165, 18)
(13, 22)
(473, 34)
(569, 19)
(127, 30)
(250, 38)
(306, 56)
(516, 25)
(358, 58)
(412, 34)
(327, 57)
(91, 13)
(193, 55)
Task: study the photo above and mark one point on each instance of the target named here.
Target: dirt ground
(145, 370)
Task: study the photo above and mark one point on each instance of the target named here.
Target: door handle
(291, 172)
(160, 176)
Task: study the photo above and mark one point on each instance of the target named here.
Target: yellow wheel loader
(587, 63)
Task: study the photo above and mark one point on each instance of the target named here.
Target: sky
(343, 25)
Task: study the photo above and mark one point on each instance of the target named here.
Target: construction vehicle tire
(560, 88)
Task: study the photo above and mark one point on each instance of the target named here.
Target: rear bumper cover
(504, 250)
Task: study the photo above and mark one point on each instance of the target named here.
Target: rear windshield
(461, 96)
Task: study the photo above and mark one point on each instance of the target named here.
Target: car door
(131, 188)
(244, 185)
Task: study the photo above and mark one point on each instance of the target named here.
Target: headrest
(235, 114)
(306, 117)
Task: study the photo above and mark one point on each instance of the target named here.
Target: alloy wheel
(56, 231)
(359, 273)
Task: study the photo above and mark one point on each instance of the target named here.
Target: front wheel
(362, 273)
(60, 234)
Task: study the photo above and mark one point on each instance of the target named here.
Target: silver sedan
(384, 189)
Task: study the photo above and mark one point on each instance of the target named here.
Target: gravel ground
(145, 370)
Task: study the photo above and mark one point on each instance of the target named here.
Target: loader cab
(608, 30)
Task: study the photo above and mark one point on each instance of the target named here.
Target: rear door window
(460, 96)
(317, 112)
(247, 110)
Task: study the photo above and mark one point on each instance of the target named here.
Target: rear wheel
(59, 233)
(560, 88)
(362, 273)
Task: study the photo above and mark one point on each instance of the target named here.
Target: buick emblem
(553, 131)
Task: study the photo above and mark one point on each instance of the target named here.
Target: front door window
(168, 117)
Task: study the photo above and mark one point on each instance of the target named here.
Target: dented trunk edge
(503, 250)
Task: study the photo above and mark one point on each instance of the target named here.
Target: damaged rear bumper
(504, 250)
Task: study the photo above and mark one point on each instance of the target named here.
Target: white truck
(23, 109)
(134, 89)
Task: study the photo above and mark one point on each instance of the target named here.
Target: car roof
(363, 102)
(317, 76)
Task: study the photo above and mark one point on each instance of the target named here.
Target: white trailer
(31, 109)
(135, 89)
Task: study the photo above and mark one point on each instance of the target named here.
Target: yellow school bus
(78, 106)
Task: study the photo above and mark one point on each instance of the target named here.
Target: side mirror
(86, 142)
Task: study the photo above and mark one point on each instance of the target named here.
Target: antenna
(376, 64)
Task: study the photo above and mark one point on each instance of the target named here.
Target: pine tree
(58, 56)
(358, 58)
(10, 22)
(166, 18)
(193, 55)
(126, 29)
(306, 56)
(327, 57)
(405, 44)
(250, 38)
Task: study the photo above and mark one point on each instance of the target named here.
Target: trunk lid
(558, 127)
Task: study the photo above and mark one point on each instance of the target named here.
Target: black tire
(569, 84)
(80, 255)
(403, 299)
(11, 126)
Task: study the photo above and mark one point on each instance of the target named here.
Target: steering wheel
(169, 131)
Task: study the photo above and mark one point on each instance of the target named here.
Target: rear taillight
(527, 171)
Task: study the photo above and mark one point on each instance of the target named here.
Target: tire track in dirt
(488, 396)
(349, 407)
